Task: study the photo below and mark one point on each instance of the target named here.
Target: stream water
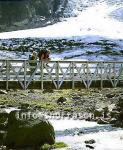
(76, 132)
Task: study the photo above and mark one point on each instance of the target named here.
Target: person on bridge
(33, 56)
(44, 55)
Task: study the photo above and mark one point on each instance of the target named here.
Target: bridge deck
(84, 72)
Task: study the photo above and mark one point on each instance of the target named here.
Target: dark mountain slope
(23, 14)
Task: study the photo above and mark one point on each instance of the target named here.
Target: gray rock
(90, 141)
(61, 100)
(23, 133)
(76, 98)
(102, 121)
(110, 95)
(3, 92)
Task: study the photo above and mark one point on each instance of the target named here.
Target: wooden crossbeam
(60, 71)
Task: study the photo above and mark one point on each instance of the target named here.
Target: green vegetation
(59, 145)
(54, 146)
(78, 100)
(46, 147)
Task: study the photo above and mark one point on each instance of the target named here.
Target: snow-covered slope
(95, 20)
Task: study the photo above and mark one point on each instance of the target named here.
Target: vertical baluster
(87, 75)
(101, 74)
(7, 74)
(72, 66)
(25, 68)
(42, 74)
(57, 74)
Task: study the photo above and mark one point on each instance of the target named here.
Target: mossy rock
(45, 147)
(1, 138)
(59, 145)
(3, 117)
(54, 146)
(28, 132)
(3, 120)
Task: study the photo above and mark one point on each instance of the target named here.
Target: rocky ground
(106, 105)
(78, 100)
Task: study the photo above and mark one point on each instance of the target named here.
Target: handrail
(72, 60)
(59, 71)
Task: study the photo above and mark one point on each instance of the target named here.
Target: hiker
(33, 64)
(44, 55)
(33, 56)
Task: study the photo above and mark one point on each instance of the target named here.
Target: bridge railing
(26, 71)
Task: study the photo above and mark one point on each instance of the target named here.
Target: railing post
(7, 74)
(72, 66)
(57, 74)
(42, 74)
(101, 75)
(87, 75)
(25, 68)
(114, 73)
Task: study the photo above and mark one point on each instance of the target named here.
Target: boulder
(3, 120)
(61, 100)
(25, 132)
(90, 141)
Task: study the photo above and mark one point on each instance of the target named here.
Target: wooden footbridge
(59, 74)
